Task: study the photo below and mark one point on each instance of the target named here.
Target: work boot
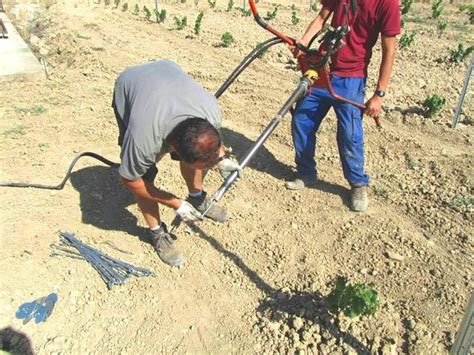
(359, 200)
(216, 213)
(164, 246)
(299, 184)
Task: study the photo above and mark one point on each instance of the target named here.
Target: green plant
(271, 14)
(180, 23)
(227, 39)
(197, 24)
(136, 9)
(359, 299)
(244, 12)
(125, 7)
(294, 19)
(17, 130)
(314, 6)
(460, 203)
(160, 15)
(212, 3)
(259, 46)
(116, 3)
(106, 2)
(433, 105)
(442, 24)
(411, 162)
(437, 8)
(470, 11)
(382, 191)
(403, 21)
(230, 5)
(147, 13)
(457, 55)
(406, 39)
(406, 5)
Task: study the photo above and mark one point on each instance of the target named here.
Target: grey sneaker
(164, 246)
(359, 199)
(216, 213)
(298, 184)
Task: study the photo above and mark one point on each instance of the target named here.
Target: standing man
(348, 72)
(159, 110)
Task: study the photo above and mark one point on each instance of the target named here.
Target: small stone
(297, 323)
(34, 40)
(395, 256)
(43, 51)
(411, 324)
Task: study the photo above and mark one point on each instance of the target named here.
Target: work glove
(188, 213)
(227, 166)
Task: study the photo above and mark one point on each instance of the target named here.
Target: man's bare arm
(315, 25)
(389, 46)
(148, 191)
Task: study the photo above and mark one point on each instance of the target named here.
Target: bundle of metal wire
(113, 271)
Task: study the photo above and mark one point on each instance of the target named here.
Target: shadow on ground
(276, 304)
(263, 160)
(334, 189)
(14, 342)
(104, 201)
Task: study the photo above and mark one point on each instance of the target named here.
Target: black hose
(68, 173)
(254, 54)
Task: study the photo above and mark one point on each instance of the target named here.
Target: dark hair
(195, 139)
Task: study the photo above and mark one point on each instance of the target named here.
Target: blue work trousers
(307, 118)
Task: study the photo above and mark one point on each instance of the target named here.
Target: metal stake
(463, 93)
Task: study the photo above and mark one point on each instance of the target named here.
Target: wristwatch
(380, 93)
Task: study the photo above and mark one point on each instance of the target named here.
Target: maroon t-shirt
(373, 17)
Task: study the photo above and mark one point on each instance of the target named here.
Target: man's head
(196, 142)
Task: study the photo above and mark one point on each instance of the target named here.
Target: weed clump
(433, 105)
(458, 55)
(180, 23)
(197, 24)
(407, 39)
(353, 300)
(227, 39)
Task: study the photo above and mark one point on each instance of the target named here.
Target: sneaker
(164, 246)
(359, 200)
(216, 213)
(299, 184)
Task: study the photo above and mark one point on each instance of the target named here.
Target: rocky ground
(259, 283)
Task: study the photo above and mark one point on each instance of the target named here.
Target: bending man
(159, 110)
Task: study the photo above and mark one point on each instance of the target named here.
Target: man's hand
(374, 106)
(227, 166)
(188, 213)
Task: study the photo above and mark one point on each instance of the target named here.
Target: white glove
(227, 166)
(188, 213)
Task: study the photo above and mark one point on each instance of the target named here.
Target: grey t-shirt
(151, 99)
